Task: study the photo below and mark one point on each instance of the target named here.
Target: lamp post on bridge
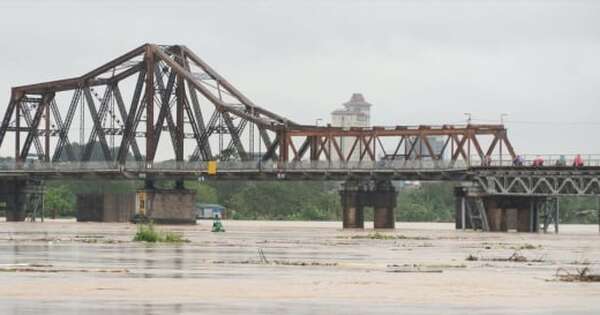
(469, 118)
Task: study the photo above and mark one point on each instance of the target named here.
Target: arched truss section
(165, 101)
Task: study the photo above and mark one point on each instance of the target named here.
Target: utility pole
(469, 118)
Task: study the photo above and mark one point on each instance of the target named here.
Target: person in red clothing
(539, 161)
(578, 162)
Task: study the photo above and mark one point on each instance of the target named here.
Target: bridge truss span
(132, 99)
(538, 182)
(161, 102)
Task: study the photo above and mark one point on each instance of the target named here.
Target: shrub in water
(171, 237)
(147, 233)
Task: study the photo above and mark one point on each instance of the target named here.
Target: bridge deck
(319, 170)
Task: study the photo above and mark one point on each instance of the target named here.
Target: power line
(540, 122)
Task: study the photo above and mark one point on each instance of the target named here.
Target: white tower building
(355, 113)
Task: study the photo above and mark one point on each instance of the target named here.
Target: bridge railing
(276, 166)
(302, 165)
(39, 166)
(549, 160)
(35, 165)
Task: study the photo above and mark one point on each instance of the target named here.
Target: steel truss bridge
(125, 106)
(112, 122)
(121, 112)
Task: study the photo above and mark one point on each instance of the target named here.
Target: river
(282, 267)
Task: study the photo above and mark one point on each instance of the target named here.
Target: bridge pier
(352, 208)
(381, 196)
(105, 207)
(384, 201)
(20, 198)
(166, 206)
(495, 213)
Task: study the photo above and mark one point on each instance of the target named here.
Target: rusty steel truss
(123, 107)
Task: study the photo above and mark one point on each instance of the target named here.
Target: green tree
(204, 192)
(285, 201)
(60, 198)
(429, 202)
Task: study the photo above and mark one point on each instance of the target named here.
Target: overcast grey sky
(418, 62)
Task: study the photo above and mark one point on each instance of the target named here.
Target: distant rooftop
(356, 105)
(357, 100)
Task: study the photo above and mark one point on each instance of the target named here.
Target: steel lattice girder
(282, 138)
(411, 143)
(179, 60)
(539, 182)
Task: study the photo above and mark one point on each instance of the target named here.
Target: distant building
(208, 211)
(355, 113)
(437, 145)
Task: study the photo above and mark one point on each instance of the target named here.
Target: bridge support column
(166, 206)
(13, 199)
(18, 198)
(501, 213)
(105, 207)
(496, 215)
(352, 209)
(384, 201)
(462, 213)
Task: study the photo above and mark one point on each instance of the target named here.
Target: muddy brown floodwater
(64, 267)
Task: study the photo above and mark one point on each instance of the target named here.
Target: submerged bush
(147, 233)
(171, 237)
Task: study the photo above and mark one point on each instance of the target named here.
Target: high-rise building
(355, 113)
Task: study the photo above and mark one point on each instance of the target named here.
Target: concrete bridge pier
(356, 195)
(383, 199)
(12, 199)
(496, 213)
(20, 198)
(352, 208)
(166, 206)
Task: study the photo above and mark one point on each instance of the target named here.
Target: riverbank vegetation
(287, 200)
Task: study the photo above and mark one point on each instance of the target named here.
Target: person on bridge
(518, 161)
(562, 161)
(578, 162)
(539, 161)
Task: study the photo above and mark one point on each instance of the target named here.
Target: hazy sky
(418, 62)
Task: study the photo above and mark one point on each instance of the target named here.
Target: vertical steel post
(18, 132)
(149, 96)
(463, 213)
(531, 211)
(374, 138)
(420, 146)
(468, 148)
(500, 151)
(179, 118)
(47, 135)
(557, 215)
(42, 201)
(179, 133)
